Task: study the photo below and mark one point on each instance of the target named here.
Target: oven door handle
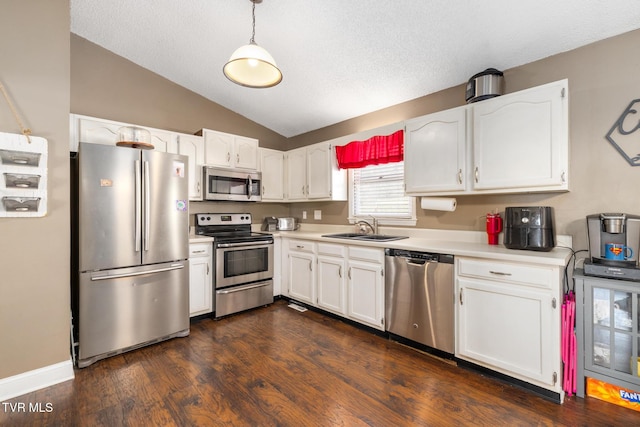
(244, 244)
(244, 288)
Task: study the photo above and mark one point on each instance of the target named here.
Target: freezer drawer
(131, 307)
(238, 298)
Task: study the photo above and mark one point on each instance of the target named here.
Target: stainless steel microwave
(228, 184)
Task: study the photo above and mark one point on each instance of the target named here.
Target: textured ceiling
(341, 59)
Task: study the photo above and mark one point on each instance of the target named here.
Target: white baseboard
(29, 381)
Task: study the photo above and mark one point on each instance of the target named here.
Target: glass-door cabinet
(608, 324)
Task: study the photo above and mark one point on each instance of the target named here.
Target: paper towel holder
(447, 204)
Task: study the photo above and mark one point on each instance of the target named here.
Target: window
(378, 190)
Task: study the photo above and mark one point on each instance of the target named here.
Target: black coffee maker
(614, 241)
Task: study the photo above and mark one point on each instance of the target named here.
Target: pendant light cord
(253, 14)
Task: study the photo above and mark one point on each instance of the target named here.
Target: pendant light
(252, 66)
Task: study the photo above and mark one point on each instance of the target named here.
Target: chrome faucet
(373, 228)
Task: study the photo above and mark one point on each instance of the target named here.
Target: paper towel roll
(438, 203)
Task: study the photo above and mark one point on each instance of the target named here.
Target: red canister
(494, 227)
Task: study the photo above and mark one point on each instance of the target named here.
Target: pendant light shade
(252, 66)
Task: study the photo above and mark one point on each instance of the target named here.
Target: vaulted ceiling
(341, 59)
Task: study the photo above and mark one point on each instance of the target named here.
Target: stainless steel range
(243, 262)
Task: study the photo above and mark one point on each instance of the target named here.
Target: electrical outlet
(317, 214)
(304, 214)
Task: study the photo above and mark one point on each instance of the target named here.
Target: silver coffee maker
(606, 229)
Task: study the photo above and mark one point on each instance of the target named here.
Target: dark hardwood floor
(275, 366)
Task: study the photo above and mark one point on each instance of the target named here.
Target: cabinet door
(296, 174)
(507, 328)
(319, 171)
(302, 277)
(331, 284)
(272, 166)
(365, 293)
(435, 152)
(245, 152)
(200, 286)
(164, 141)
(521, 140)
(612, 335)
(218, 148)
(97, 131)
(193, 147)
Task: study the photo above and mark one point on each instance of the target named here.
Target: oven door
(243, 262)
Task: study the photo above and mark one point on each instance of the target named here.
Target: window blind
(378, 190)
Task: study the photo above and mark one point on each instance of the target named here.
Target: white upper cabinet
(520, 140)
(229, 151)
(193, 147)
(515, 143)
(296, 176)
(434, 148)
(313, 174)
(319, 171)
(272, 168)
(100, 131)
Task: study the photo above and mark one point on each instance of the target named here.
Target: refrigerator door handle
(138, 213)
(138, 273)
(147, 205)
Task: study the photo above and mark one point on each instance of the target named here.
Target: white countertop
(458, 243)
(199, 239)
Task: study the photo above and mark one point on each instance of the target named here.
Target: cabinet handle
(349, 273)
(553, 303)
(499, 273)
(263, 189)
(237, 158)
(198, 187)
(476, 173)
(563, 176)
(228, 157)
(299, 246)
(199, 252)
(207, 269)
(310, 266)
(459, 176)
(340, 272)
(461, 297)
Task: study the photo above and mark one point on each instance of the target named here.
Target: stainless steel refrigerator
(132, 249)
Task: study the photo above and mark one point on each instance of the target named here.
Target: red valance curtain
(376, 150)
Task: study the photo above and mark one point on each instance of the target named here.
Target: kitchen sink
(360, 236)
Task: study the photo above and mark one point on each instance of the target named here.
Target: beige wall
(603, 80)
(34, 252)
(109, 86)
(34, 266)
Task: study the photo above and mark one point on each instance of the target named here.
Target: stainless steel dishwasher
(419, 297)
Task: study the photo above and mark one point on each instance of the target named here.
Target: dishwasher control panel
(426, 256)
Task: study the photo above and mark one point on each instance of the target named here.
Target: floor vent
(300, 308)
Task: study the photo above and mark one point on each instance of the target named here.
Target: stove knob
(208, 218)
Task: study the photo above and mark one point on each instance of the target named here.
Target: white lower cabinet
(366, 293)
(345, 280)
(332, 273)
(200, 281)
(302, 275)
(508, 319)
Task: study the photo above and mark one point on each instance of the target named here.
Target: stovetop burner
(228, 227)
